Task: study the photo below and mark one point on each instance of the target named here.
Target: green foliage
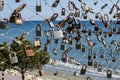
(24, 63)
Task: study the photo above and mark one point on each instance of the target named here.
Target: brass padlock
(118, 14)
(38, 6)
(2, 5)
(38, 30)
(62, 23)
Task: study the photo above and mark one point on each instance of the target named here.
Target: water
(30, 27)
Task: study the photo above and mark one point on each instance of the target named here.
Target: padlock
(38, 30)
(78, 45)
(50, 23)
(92, 21)
(77, 13)
(63, 46)
(118, 13)
(55, 51)
(104, 42)
(46, 33)
(113, 59)
(83, 48)
(54, 63)
(12, 17)
(90, 62)
(95, 56)
(109, 74)
(99, 68)
(58, 33)
(114, 28)
(23, 36)
(110, 33)
(71, 5)
(4, 23)
(17, 0)
(63, 12)
(89, 32)
(83, 69)
(96, 16)
(102, 55)
(95, 64)
(38, 6)
(41, 72)
(13, 58)
(70, 29)
(96, 28)
(64, 57)
(49, 40)
(28, 51)
(84, 29)
(69, 18)
(37, 42)
(84, 16)
(46, 47)
(89, 78)
(90, 54)
(2, 5)
(55, 3)
(95, 2)
(54, 17)
(118, 20)
(105, 21)
(16, 18)
(99, 38)
(62, 23)
(77, 23)
(90, 43)
(56, 41)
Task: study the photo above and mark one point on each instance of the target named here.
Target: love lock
(4, 23)
(38, 7)
(1, 5)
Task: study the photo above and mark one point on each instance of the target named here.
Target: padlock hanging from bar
(38, 6)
